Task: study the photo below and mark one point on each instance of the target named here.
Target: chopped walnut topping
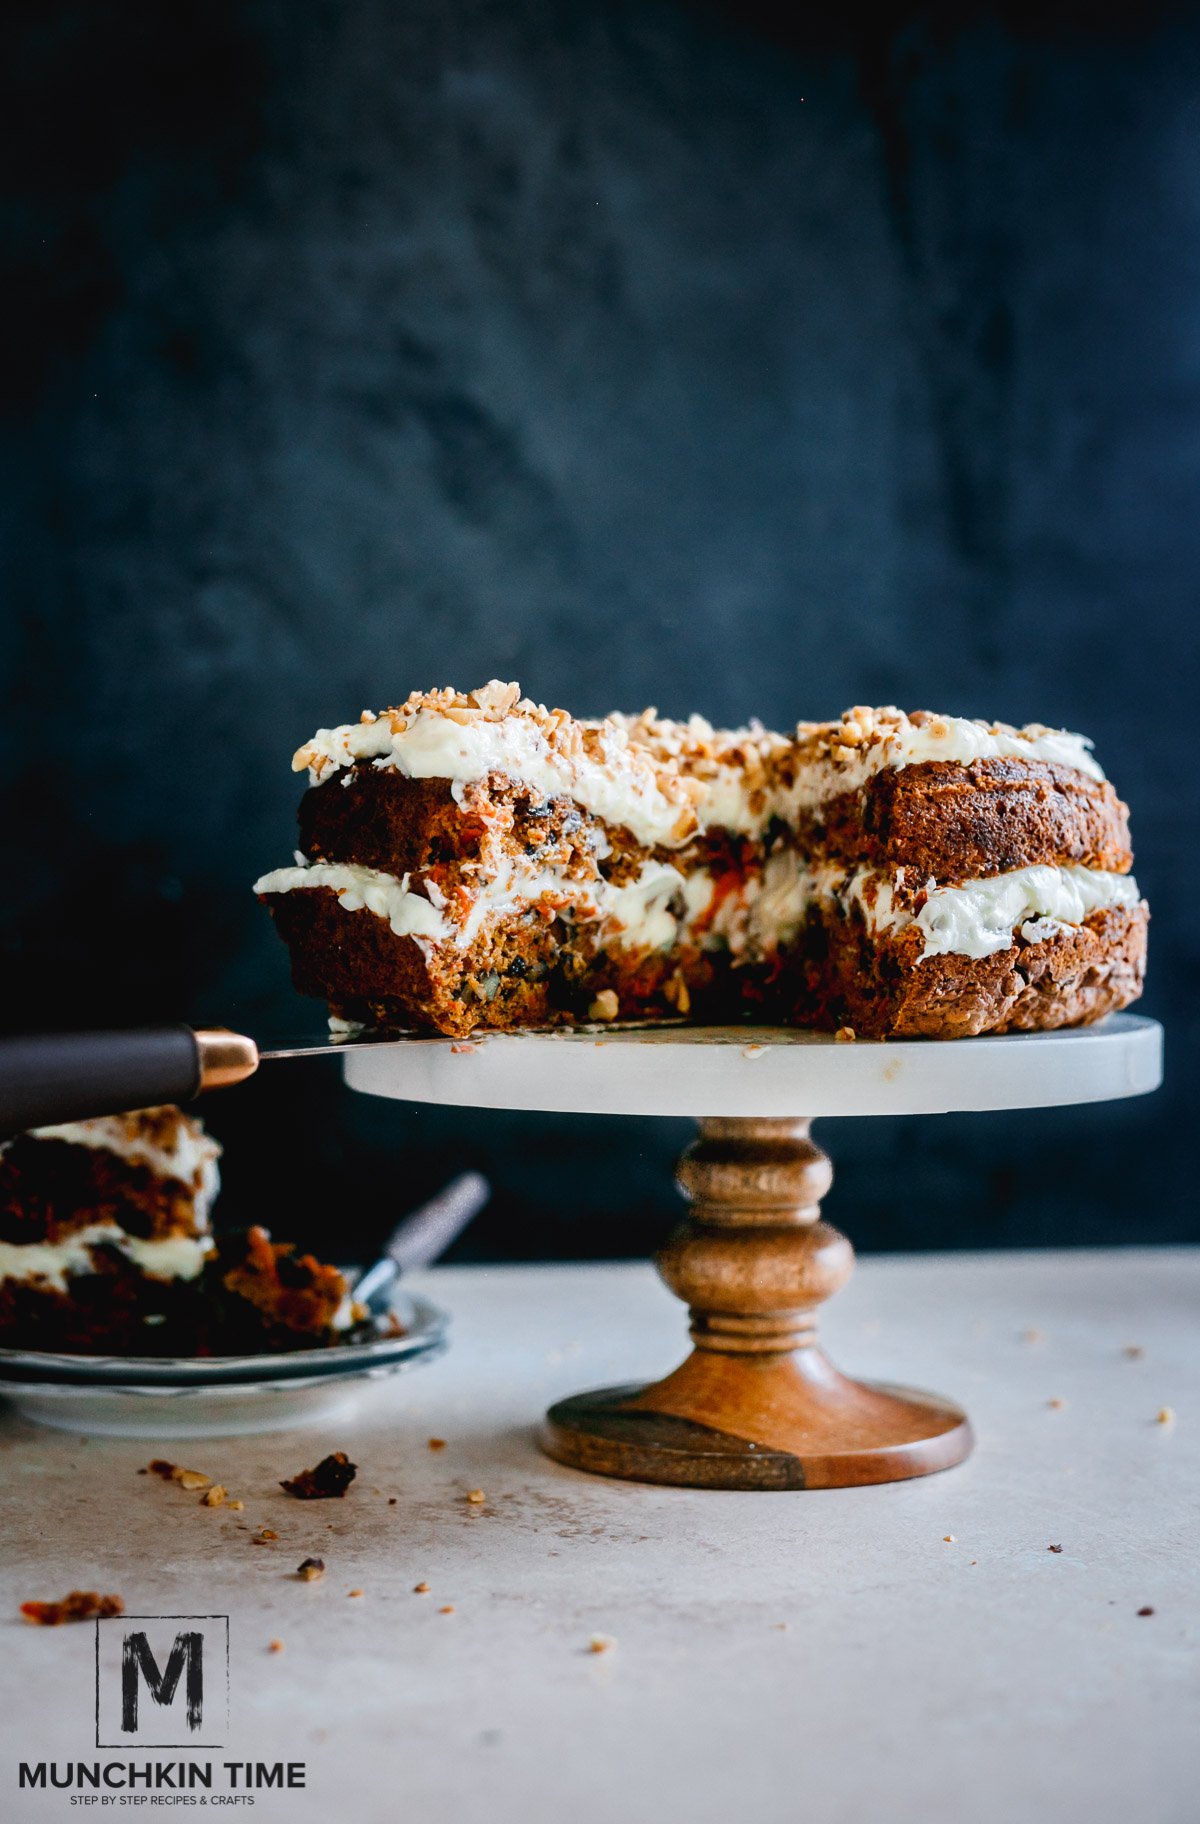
(606, 1006)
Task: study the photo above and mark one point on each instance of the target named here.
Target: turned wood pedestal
(757, 1404)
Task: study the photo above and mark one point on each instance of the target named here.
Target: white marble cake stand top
(745, 1070)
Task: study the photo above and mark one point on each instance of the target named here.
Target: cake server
(47, 1078)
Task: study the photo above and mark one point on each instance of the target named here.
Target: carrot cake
(479, 861)
(106, 1246)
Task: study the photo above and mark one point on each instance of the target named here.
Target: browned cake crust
(881, 987)
(50, 1189)
(953, 823)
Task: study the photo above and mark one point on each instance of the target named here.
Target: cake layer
(885, 986)
(989, 817)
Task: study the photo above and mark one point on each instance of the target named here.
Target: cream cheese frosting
(638, 910)
(174, 1257)
(836, 757)
(979, 918)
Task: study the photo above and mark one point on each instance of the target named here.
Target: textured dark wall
(640, 353)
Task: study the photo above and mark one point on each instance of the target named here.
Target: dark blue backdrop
(638, 352)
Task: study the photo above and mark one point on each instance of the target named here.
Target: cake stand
(757, 1404)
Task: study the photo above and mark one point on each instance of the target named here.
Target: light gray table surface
(825, 1656)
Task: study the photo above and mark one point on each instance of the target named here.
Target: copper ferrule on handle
(225, 1057)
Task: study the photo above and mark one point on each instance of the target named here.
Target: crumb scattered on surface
(420, 1589)
(354, 1592)
(476, 1497)
(264, 1536)
(604, 1643)
(753, 1051)
(845, 1035)
(213, 1497)
(329, 1480)
(79, 1605)
(1146, 1611)
(310, 1569)
(1165, 1415)
(1133, 1352)
(465, 1045)
(1056, 1405)
(447, 1608)
(949, 1539)
(237, 1506)
(1033, 1335)
(191, 1479)
(391, 1500)
(437, 1443)
(274, 1646)
(1054, 1548)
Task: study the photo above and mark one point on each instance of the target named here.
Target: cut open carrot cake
(480, 861)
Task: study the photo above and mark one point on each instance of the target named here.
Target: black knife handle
(46, 1078)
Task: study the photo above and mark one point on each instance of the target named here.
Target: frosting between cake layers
(979, 918)
(174, 1257)
(638, 909)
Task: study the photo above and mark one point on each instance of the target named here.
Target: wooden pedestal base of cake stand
(757, 1404)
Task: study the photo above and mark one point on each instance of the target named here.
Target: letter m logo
(162, 1681)
(139, 1665)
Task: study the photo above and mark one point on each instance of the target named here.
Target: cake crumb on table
(354, 1592)
(475, 1497)
(1033, 1335)
(447, 1608)
(1165, 1416)
(845, 1035)
(604, 1643)
(1133, 1352)
(310, 1569)
(420, 1589)
(79, 1605)
(605, 1006)
(274, 1646)
(213, 1496)
(1056, 1405)
(949, 1539)
(328, 1481)
(1054, 1548)
(437, 1443)
(1147, 1610)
